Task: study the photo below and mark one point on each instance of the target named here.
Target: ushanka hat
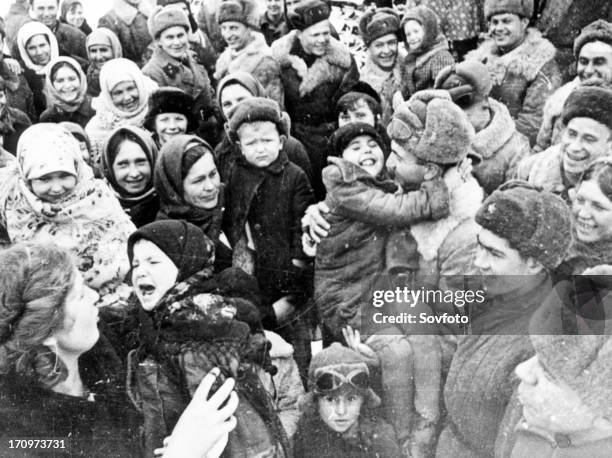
(598, 30)
(466, 82)
(589, 102)
(170, 100)
(378, 23)
(522, 8)
(164, 17)
(254, 110)
(242, 11)
(308, 13)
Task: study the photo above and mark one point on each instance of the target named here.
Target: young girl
(336, 421)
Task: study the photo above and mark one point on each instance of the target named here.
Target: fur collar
(246, 59)
(337, 57)
(499, 131)
(465, 200)
(526, 59)
(378, 78)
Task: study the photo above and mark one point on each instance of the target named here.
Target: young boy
(336, 421)
(266, 197)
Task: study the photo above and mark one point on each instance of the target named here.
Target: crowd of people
(231, 228)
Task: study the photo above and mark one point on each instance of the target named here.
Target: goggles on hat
(331, 380)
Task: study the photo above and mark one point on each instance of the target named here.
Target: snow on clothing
(78, 111)
(108, 117)
(373, 438)
(34, 73)
(168, 182)
(310, 84)
(501, 147)
(552, 125)
(272, 201)
(523, 78)
(285, 387)
(255, 58)
(142, 208)
(12, 124)
(129, 23)
(89, 222)
(385, 83)
(480, 382)
(545, 170)
(106, 37)
(351, 259)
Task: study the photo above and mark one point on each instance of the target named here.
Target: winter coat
(19, 122)
(501, 147)
(285, 387)
(552, 125)
(373, 438)
(385, 83)
(37, 84)
(523, 78)
(353, 257)
(272, 201)
(271, 31)
(71, 43)
(227, 152)
(256, 58)
(108, 426)
(207, 23)
(419, 71)
(81, 116)
(311, 84)
(130, 26)
(480, 381)
(545, 170)
(459, 19)
(18, 92)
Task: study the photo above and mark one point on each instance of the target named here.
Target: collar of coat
(465, 198)
(127, 13)
(378, 77)
(545, 169)
(244, 60)
(499, 131)
(337, 57)
(525, 60)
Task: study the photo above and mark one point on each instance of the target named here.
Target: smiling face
(66, 83)
(235, 34)
(45, 11)
(125, 96)
(592, 212)
(414, 33)
(260, 142)
(39, 49)
(583, 141)
(340, 410)
(202, 184)
(274, 8)
(595, 63)
(315, 39)
(404, 167)
(232, 95)
(508, 30)
(75, 16)
(53, 187)
(131, 168)
(100, 53)
(175, 41)
(365, 152)
(383, 51)
(168, 125)
(153, 273)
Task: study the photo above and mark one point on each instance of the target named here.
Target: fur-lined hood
(246, 60)
(338, 57)
(499, 131)
(465, 200)
(525, 60)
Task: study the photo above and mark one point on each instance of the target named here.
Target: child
(336, 421)
(266, 197)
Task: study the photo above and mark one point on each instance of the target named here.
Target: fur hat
(341, 138)
(467, 82)
(192, 21)
(308, 13)
(378, 23)
(428, 20)
(169, 100)
(444, 132)
(342, 360)
(536, 223)
(589, 102)
(522, 8)
(598, 30)
(164, 17)
(253, 110)
(243, 11)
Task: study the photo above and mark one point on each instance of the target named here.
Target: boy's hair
(349, 102)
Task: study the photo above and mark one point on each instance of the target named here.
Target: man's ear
(525, 23)
(433, 171)
(283, 139)
(534, 267)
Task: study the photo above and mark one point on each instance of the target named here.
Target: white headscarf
(26, 32)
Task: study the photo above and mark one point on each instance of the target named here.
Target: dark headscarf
(168, 182)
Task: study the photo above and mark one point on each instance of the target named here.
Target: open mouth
(368, 162)
(146, 289)
(584, 226)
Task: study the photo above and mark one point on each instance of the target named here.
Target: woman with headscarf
(37, 47)
(66, 90)
(128, 160)
(71, 12)
(123, 101)
(102, 45)
(53, 197)
(189, 188)
(427, 48)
